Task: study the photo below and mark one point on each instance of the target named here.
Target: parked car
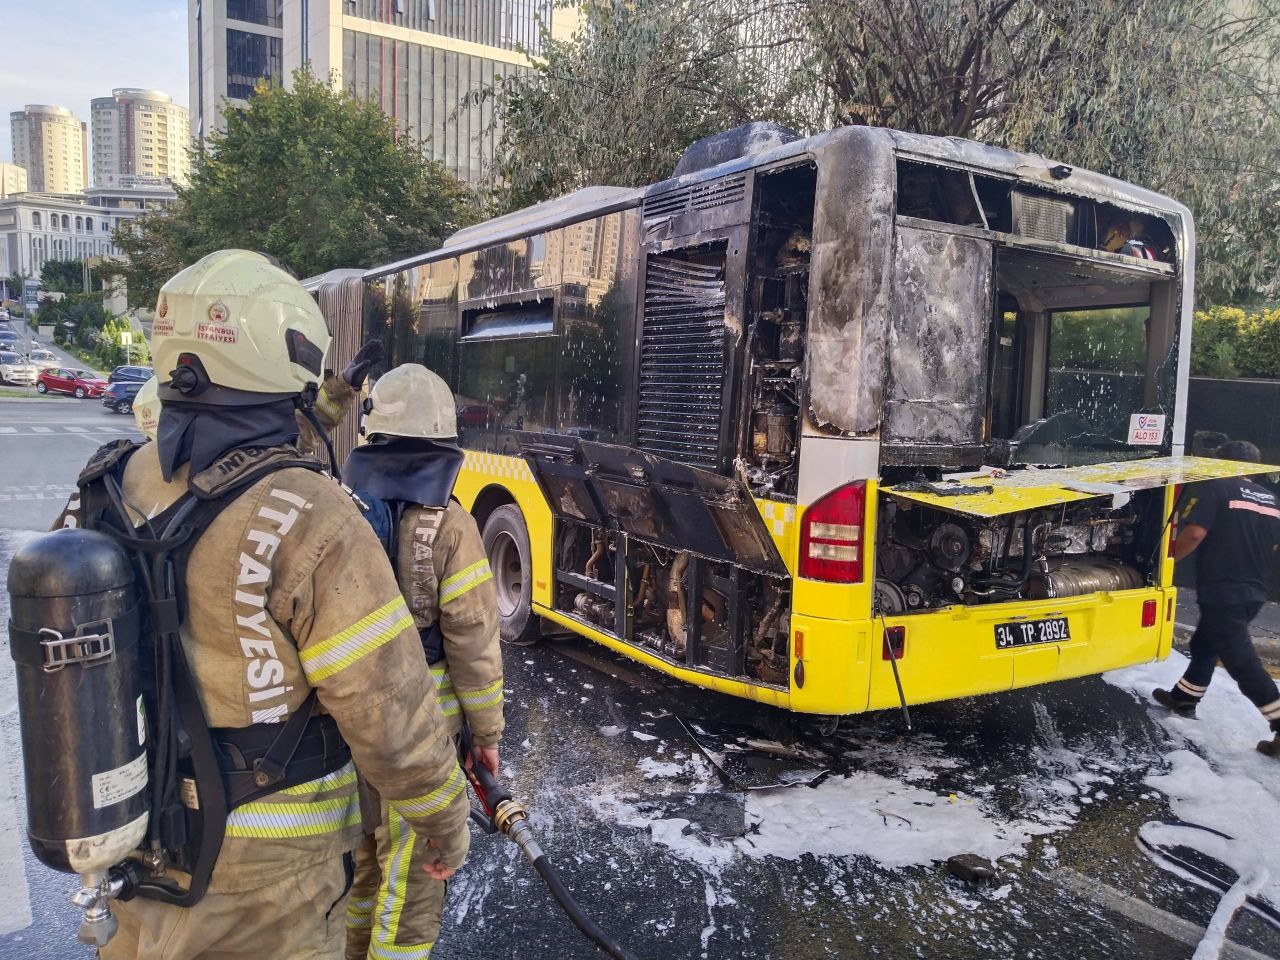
(14, 369)
(43, 359)
(80, 383)
(140, 374)
(118, 397)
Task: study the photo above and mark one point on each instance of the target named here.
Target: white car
(43, 359)
(14, 369)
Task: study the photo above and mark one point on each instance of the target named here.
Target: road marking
(42, 430)
(8, 429)
(1139, 911)
(76, 430)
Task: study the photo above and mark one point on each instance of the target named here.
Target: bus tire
(506, 544)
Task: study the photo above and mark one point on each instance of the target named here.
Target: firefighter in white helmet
(292, 609)
(408, 469)
(146, 408)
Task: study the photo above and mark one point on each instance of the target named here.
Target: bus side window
(507, 373)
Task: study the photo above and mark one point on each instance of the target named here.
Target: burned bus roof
(572, 207)
(955, 151)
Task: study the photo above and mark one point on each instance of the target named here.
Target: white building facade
(417, 59)
(51, 145)
(139, 133)
(36, 227)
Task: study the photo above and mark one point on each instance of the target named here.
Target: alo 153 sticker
(1146, 429)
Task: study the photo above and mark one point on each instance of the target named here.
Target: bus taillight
(831, 535)
(1149, 612)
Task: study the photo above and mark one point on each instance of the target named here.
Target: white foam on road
(1215, 938)
(895, 824)
(1224, 784)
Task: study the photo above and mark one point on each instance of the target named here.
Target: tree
(1177, 95)
(618, 102)
(313, 176)
(64, 276)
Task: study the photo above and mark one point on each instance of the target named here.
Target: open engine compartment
(691, 610)
(928, 558)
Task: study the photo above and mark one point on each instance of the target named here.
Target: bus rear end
(988, 472)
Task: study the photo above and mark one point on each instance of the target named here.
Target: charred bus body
(815, 409)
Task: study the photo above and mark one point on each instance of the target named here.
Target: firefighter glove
(356, 371)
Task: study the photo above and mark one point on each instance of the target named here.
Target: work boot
(1173, 704)
(1271, 747)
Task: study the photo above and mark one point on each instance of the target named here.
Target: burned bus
(833, 423)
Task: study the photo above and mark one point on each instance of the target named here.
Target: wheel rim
(508, 577)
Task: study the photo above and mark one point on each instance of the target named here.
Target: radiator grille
(700, 196)
(682, 361)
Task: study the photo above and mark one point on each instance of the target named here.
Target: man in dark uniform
(1233, 526)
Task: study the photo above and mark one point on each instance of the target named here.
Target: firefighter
(287, 592)
(411, 462)
(1233, 527)
(146, 408)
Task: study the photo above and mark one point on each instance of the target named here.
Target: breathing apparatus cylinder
(74, 634)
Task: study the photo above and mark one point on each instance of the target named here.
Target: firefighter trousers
(394, 909)
(298, 918)
(1223, 635)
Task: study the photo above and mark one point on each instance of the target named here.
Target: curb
(1267, 645)
(39, 399)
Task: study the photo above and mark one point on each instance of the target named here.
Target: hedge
(1232, 342)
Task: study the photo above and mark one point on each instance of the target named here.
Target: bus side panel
(481, 471)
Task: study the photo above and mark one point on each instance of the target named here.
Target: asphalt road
(658, 845)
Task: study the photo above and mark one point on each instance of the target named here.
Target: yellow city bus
(833, 424)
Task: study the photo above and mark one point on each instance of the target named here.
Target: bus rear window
(1097, 362)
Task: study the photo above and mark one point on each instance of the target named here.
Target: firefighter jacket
(332, 404)
(288, 589)
(445, 576)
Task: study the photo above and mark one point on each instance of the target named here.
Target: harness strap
(314, 747)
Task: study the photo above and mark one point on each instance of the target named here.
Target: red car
(81, 383)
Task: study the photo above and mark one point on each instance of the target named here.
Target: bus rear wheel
(506, 543)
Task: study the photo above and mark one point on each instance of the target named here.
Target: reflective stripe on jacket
(445, 576)
(289, 589)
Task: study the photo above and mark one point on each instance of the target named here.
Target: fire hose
(501, 813)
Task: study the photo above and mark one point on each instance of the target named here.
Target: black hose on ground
(575, 912)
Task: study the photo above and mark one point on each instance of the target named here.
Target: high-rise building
(13, 179)
(52, 146)
(417, 59)
(139, 136)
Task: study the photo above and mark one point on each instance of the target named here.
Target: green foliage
(619, 101)
(108, 349)
(1233, 342)
(316, 177)
(65, 276)
(1175, 95)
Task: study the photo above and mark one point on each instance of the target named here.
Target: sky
(66, 52)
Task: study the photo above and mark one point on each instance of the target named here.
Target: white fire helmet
(234, 329)
(411, 401)
(146, 408)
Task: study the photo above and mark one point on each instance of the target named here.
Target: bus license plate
(1024, 633)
